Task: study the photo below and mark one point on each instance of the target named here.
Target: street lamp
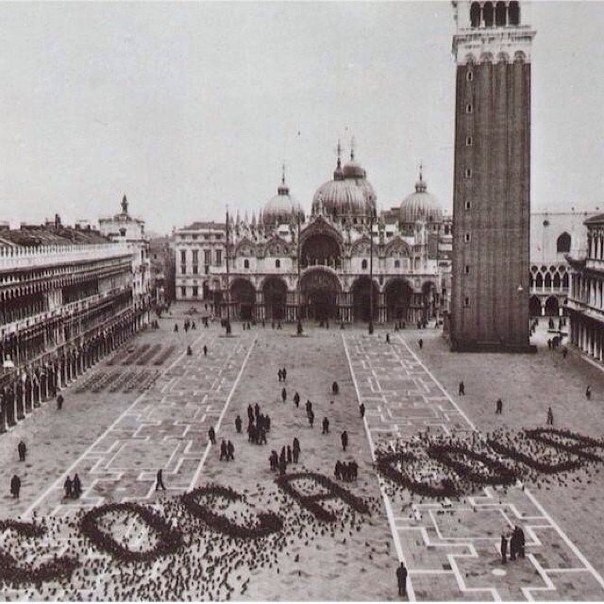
(299, 328)
(371, 221)
(228, 288)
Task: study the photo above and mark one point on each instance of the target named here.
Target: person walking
(588, 393)
(297, 400)
(311, 417)
(401, 579)
(280, 375)
(76, 486)
(504, 548)
(335, 388)
(22, 449)
(462, 389)
(498, 407)
(387, 338)
(205, 350)
(238, 424)
(420, 343)
(231, 450)
(362, 410)
(344, 439)
(212, 435)
(15, 486)
(296, 450)
(325, 426)
(67, 487)
(284, 372)
(284, 394)
(159, 480)
(60, 400)
(224, 454)
(550, 417)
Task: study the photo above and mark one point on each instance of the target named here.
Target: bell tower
(491, 195)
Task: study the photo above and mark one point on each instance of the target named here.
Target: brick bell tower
(491, 196)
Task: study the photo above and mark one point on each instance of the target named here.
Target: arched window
(539, 280)
(246, 263)
(277, 263)
(500, 13)
(488, 14)
(364, 264)
(565, 281)
(548, 280)
(556, 281)
(475, 14)
(514, 12)
(397, 264)
(531, 281)
(563, 243)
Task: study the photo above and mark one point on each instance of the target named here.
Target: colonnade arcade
(322, 296)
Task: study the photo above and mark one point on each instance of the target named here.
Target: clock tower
(491, 196)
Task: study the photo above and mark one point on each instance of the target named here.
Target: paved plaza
(150, 407)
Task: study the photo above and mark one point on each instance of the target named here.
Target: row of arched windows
(548, 278)
(488, 14)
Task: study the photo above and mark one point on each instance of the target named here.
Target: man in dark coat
(325, 426)
(499, 407)
(205, 350)
(344, 439)
(311, 418)
(504, 548)
(462, 389)
(401, 579)
(238, 424)
(230, 451)
(362, 410)
(212, 435)
(67, 487)
(22, 449)
(284, 394)
(296, 450)
(224, 453)
(60, 400)
(76, 486)
(15, 486)
(335, 388)
(159, 481)
(297, 400)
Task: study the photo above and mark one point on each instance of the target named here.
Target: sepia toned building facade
(66, 300)
(344, 262)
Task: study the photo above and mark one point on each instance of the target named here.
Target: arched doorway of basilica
(320, 249)
(243, 296)
(398, 300)
(275, 297)
(319, 291)
(534, 307)
(360, 299)
(552, 307)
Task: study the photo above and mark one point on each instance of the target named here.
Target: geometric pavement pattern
(165, 427)
(451, 549)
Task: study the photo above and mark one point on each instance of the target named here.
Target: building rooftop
(50, 234)
(201, 226)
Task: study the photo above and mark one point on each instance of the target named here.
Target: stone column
(10, 406)
(27, 394)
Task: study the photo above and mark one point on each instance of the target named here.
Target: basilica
(343, 261)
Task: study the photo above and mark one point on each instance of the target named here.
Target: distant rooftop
(200, 226)
(50, 234)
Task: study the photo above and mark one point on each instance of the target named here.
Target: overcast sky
(189, 107)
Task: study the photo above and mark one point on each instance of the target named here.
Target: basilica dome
(420, 205)
(281, 208)
(348, 194)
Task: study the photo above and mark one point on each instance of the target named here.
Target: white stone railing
(12, 258)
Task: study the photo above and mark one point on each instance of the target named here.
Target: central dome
(348, 194)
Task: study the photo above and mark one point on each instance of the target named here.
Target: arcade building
(344, 261)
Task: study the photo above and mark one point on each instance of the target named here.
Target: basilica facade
(343, 261)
